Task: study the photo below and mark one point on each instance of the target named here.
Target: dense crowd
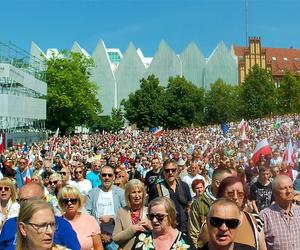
(193, 188)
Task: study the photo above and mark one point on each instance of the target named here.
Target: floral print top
(144, 241)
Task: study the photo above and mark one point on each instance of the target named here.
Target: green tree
(72, 98)
(184, 103)
(145, 106)
(116, 122)
(222, 102)
(289, 94)
(258, 94)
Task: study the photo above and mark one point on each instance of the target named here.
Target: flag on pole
(289, 154)
(262, 147)
(1, 144)
(157, 132)
(225, 128)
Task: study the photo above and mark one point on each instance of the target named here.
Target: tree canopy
(184, 104)
(145, 106)
(72, 97)
(258, 94)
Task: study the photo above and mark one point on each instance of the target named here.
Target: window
(273, 58)
(285, 59)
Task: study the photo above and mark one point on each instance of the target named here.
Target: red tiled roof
(286, 59)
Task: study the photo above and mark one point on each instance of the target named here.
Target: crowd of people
(193, 188)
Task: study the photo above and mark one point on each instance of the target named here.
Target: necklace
(135, 216)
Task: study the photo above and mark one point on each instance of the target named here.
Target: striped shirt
(282, 230)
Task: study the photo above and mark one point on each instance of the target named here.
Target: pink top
(85, 225)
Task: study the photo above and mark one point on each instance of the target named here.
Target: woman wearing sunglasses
(132, 218)
(82, 184)
(250, 231)
(8, 196)
(164, 234)
(71, 202)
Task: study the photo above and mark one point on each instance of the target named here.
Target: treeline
(182, 104)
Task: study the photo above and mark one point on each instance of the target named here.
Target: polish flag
(1, 144)
(289, 155)
(243, 125)
(158, 132)
(262, 147)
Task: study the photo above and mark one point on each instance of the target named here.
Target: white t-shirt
(189, 179)
(84, 186)
(105, 204)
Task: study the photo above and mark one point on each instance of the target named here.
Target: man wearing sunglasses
(103, 203)
(175, 189)
(223, 220)
(64, 234)
(23, 172)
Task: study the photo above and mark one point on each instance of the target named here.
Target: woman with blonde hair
(36, 226)
(132, 218)
(8, 196)
(87, 228)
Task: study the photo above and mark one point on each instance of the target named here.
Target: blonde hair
(27, 210)
(5, 181)
(169, 206)
(68, 191)
(130, 186)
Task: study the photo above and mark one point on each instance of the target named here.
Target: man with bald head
(223, 219)
(64, 234)
(282, 219)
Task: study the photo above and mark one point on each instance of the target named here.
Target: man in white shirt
(193, 174)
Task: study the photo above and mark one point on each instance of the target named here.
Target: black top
(237, 246)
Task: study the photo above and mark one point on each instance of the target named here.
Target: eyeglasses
(78, 172)
(4, 188)
(170, 170)
(22, 162)
(218, 222)
(159, 217)
(117, 172)
(63, 173)
(53, 182)
(105, 175)
(66, 201)
(296, 202)
(231, 194)
(43, 227)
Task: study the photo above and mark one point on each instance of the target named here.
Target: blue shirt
(64, 234)
(94, 179)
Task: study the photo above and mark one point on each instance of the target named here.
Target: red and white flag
(1, 144)
(262, 147)
(289, 155)
(243, 125)
(158, 132)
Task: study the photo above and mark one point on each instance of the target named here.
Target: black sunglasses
(109, 175)
(67, 201)
(78, 172)
(159, 217)
(4, 188)
(63, 173)
(170, 170)
(53, 182)
(218, 222)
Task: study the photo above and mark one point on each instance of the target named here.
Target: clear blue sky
(58, 23)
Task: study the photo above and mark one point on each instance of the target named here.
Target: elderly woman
(250, 231)
(71, 202)
(198, 187)
(8, 195)
(132, 218)
(36, 226)
(164, 235)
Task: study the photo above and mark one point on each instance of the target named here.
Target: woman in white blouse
(8, 200)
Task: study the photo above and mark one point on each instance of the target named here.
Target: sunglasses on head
(170, 170)
(109, 175)
(4, 188)
(159, 217)
(218, 222)
(73, 201)
(53, 182)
